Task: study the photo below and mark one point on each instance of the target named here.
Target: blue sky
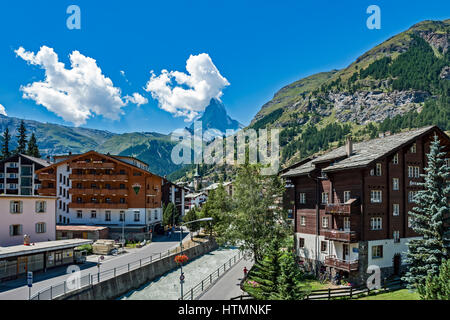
(258, 46)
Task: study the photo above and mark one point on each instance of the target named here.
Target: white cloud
(193, 91)
(3, 110)
(136, 99)
(75, 94)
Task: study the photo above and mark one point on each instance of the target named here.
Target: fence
(206, 283)
(85, 281)
(350, 292)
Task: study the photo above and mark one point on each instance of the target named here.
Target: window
(395, 184)
(79, 200)
(64, 206)
(395, 159)
(93, 214)
(447, 162)
(156, 214)
(323, 246)
(60, 177)
(15, 230)
(60, 190)
(15, 206)
(413, 172)
(396, 209)
(41, 227)
(411, 196)
(301, 242)
(68, 168)
(302, 198)
(325, 197)
(376, 196)
(413, 148)
(378, 169)
(137, 216)
(324, 222)
(122, 200)
(376, 223)
(79, 214)
(13, 186)
(302, 220)
(347, 225)
(347, 196)
(64, 180)
(137, 174)
(108, 216)
(41, 206)
(122, 186)
(396, 236)
(12, 175)
(122, 216)
(377, 252)
(79, 186)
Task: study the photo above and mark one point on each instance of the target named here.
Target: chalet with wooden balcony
(351, 204)
(105, 190)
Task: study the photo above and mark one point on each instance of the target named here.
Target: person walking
(245, 272)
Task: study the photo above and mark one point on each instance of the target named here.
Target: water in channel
(167, 287)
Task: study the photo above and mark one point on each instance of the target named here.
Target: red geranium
(180, 259)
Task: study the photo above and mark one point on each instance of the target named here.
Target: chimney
(349, 146)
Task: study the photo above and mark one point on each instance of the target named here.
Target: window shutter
(20, 206)
(11, 230)
(45, 227)
(37, 206)
(20, 229)
(381, 251)
(36, 228)
(45, 206)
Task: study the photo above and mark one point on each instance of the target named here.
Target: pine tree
(192, 215)
(425, 255)
(33, 149)
(21, 138)
(290, 279)
(5, 148)
(266, 271)
(437, 288)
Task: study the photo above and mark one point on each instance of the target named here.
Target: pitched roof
(42, 162)
(364, 153)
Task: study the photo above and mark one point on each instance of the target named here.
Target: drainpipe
(317, 222)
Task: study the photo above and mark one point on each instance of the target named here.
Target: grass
(403, 294)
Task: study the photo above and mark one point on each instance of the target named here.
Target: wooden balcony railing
(46, 176)
(99, 177)
(47, 192)
(92, 165)
(346, 265)
(343, 209)
(87, 205)
(337, 235)
(105, 192)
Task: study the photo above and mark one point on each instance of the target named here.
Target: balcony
(99, 177)
(92, 165)
(343, 209)
(47, 192)
(337, 235)
(102, 192)
(346, 265)
(87, 205)
(47, 176)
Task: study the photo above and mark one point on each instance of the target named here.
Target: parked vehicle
(80, 256)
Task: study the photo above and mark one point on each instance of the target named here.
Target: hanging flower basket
(180, 259)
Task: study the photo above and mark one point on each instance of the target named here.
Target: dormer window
(395, 159)
(378, 169)
(413, 148)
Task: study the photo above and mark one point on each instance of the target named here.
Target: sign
(136, 187)
(182, 277)
(30, 279)
(355, 250)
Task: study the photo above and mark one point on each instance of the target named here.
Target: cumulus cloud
(193, 90)
(75, 94)
(137, 99)
(2, 110)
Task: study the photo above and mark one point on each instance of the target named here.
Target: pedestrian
(245, 272)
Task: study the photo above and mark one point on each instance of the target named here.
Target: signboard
(30, 279)
(136, 187)
(355, 250)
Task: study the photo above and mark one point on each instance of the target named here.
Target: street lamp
(181, 249)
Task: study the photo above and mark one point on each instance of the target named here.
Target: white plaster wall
(389, 250)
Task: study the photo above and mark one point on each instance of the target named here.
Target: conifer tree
(33, 149)
(21, 138)
(290, 279)
(5, 148)
(425, 255)
(266, 271)
(437, 288)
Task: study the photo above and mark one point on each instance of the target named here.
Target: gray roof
(364, 153)
(42, 162)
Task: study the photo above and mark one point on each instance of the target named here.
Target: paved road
(18, 290)
(227, 287)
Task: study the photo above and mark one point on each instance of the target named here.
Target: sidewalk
(227, 287)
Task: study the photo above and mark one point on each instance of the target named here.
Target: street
(227, 287)
(18, 290)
